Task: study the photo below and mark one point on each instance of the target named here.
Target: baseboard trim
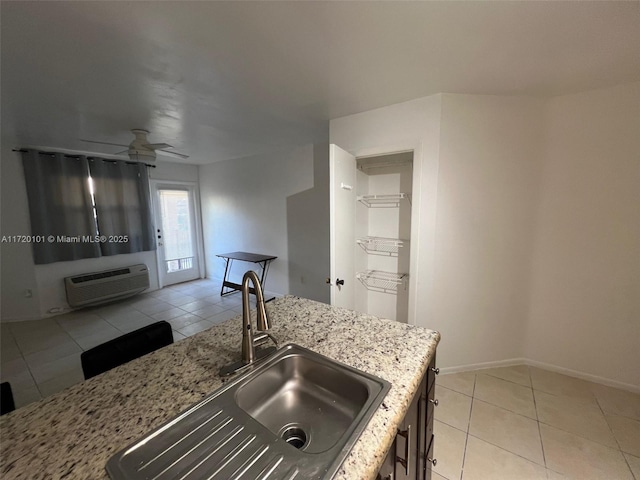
(481, 366)
(546, 366)
(585, 376)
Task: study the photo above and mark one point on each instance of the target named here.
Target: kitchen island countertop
(73, 433)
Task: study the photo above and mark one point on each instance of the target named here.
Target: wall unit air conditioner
(102, 287)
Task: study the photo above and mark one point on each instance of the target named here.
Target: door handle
(339, 282)
(407, 449)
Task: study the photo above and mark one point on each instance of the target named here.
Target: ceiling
(223, 80)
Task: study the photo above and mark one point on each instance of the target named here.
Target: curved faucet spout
(248, 351)
(249, 342)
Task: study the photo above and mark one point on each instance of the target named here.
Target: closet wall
(383, 231)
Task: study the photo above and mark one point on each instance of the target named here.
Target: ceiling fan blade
(157, 146)
(174, 154)
(103, 143)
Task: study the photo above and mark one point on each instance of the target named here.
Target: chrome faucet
(249, 341)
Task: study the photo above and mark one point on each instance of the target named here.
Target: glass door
(177, 234)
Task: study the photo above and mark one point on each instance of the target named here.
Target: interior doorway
(372, 225)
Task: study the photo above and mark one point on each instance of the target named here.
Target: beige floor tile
(558, 384)
(116, 310)
(178, 300)
(196, 305)
(575, 416)
(59, 351)
(460, 382)
(634, 464)
(513, 397)
(25, 394)
(70, 320)
(437, 476)
(98, 337)
(195, 328)
(15, 367)
(56, 368)
(177, 336)
(39, 341)
(222, 317)
(614, 401)
(183, 320)
(167, 314)
(448, 450)
(230, 301)
(580, 458)
(551, 475)
(156, 307)
(510, 431)
(84, 326)
(453, 408)
(60, 382)
(627, 432)
(484, 461)
(517, 374)
(209, 311)
(8, 347)
(45, 326)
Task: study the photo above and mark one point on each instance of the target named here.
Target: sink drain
(295, 437)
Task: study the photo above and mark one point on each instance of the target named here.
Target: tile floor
(527, 423)
(42, 357)
(504, 423)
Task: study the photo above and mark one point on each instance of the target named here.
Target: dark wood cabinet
(411, 455)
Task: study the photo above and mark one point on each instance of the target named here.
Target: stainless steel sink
(295, 415)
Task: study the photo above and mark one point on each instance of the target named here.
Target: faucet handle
(262, 338)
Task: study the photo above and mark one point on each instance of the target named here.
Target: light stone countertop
(73, 433)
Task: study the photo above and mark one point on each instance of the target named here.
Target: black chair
(123, 349)
(6, 398)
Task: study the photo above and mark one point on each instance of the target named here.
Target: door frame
(195, 190)
(414, 146)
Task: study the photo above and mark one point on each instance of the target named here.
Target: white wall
(487, 186)
(409, 125)
(476, 191)
(585, 292)
(275, 204)
(533, 246)
(308, 233)
(19, 273)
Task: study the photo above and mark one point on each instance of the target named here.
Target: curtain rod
(22, 150)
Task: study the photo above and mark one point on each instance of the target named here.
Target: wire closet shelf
(380, 281)
(381, 245)
(384, 201)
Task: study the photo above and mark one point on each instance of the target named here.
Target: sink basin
(307, 399)
(296, 415)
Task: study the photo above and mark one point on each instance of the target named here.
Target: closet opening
(383, 234)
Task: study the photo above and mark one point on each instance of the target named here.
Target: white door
(176, 230)
(342, 201)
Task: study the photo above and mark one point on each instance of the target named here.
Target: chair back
(123, 349)
(6, 398)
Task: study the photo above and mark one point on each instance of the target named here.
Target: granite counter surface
(73, 433)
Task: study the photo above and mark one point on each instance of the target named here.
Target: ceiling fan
(140, 148)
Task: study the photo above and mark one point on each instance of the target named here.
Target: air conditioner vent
(101, 287)
(99, 275)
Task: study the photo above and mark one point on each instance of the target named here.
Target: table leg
(224, 279)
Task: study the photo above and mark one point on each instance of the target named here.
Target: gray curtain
(123, 205)
(60, 206)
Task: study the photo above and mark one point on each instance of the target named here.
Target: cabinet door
(342, 207)
(387, 470)
(408, 440)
